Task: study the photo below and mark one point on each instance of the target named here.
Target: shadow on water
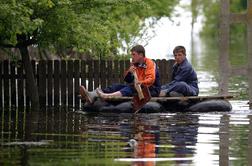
(68, 137)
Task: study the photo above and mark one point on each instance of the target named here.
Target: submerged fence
(58, 81)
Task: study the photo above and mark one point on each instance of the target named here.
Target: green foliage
(238, 87)
(211, 11)
(238, 45)
(238, 6)
(81, 25)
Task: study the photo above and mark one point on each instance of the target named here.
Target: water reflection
(66, 137)
(183, 130)
(224, 140)
(146, 137)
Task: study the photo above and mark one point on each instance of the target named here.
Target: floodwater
(64, 136)
(71, 137)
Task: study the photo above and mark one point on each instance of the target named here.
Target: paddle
(142, 97)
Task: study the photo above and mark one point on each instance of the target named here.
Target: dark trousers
(128, 90)
(180, 87)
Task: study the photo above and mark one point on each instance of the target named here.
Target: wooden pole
(224, 65)
(249, 40)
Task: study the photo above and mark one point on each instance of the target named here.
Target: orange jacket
(146, 73)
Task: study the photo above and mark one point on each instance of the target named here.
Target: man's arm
(128, 76)
(149, 78)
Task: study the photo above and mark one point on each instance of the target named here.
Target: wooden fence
(59, 80)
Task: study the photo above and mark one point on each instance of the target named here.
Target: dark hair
(179, 49)
(139, 49)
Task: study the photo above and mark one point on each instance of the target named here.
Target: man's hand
(138, 82)
(132, 69)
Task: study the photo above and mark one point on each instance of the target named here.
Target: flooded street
(68, 137)
(73, 137)
(59, 136)
(65, 136)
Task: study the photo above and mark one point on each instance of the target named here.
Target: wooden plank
(50, 82)
(6, 83)
(164, 74)
(83, 73)
(249, 151)
(116, 78)
(110, 72)
(97, 73)
(249, 43)
(127, 65)
(168, 99)
(224, 141)
(27, 97)
(56, 82)
(70, 82)
(169, 65)
(104, 73)
(121, 71)
(158, 63)
(13, 84)
(238, 71)
(1, 85)
(90, 75)
(238, 18)
(20, 85)
(224, 46)
(76, 83)
(42, 82)
(63, 82)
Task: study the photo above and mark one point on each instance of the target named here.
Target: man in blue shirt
(184, 78)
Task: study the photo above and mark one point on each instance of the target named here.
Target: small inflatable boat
(162, 104)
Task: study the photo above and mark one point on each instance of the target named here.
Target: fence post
(90, 75)
(76, 82)
(20, 84)
(104, 74)
(13, 84)
(56, 82)
(63, 82)
(6, 83)
(70, 82)
(42, 83)
(1, 85)
(49, 82)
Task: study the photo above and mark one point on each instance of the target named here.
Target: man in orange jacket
(147, 73)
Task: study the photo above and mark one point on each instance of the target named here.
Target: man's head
(179, 53)
(137, 53)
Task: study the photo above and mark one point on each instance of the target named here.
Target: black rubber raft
(163, 104)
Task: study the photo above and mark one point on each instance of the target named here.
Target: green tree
(211, 14)
(80, 25)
